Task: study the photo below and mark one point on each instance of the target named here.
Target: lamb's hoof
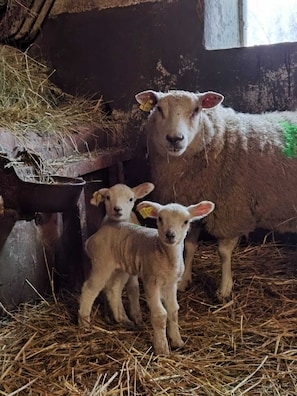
(222, 298)
(137, 319)
(84, 323)
(127, 323)
(184, 285)
(139, 323)
(177, 344)
(162, 351)
(161, 346)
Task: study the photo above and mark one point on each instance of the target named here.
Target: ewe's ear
(143, 189)
(148, 209)
(98, 196)
(201, 210)
(147, 99)
(208, 100)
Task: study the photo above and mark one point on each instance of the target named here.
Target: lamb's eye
(195, 111)
(131, 199)
(107, 197)
(186, 222)
(160, 110)
(160, 219)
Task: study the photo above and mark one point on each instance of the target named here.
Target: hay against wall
(246, 347)
(30, 102)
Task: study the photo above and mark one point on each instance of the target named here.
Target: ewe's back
(242, 162)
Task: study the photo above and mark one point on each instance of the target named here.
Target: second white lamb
(119, 201)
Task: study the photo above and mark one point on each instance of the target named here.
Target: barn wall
(119, 48)
(120, 51)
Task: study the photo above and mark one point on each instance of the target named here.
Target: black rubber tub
(60, 194)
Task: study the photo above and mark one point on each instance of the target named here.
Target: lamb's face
(173, 223)
(174, 122)
(119, 201)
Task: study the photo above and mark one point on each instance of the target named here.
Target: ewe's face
(175, 122)
(119, 201)
(173, 225)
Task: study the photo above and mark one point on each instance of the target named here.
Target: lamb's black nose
(117, 209)
(170, 235)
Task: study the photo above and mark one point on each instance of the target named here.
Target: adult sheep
(245, 163)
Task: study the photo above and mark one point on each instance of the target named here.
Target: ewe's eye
(186, 222)
(107, 197)
(131, 199)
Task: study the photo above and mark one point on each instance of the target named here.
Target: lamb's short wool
(156, 256)
(119, 201)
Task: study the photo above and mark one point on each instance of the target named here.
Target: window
(270, 22)
(239, 23)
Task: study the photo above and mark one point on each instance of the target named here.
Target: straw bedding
(246, 347)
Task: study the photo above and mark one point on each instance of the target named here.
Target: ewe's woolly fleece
(236, 160)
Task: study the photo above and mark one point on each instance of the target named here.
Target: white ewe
(119, 201)
(156, 256)
(245, 163)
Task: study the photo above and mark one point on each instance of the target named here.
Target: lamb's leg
(172, 307)
(191, 242)
(90, 290)
(226, 247)
(132, 287)
(158, 320)
(113, 291)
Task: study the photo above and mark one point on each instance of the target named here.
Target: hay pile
(247, 347)
(30, 102)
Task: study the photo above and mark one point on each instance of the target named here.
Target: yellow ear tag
(145, 212)
(97, 198)
(147, 106)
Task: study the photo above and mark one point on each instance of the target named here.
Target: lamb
(245, 163)
(119, 201)
(155, 255)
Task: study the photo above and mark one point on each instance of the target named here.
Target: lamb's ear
(201, 210)
(148, 209)
(147, 99)
(207, 100)
(143, 189)
(98, 196)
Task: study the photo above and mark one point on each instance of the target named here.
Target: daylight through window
(240, 23)
(270, 21)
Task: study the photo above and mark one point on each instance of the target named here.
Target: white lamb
(119, 201)
(246, 163)
(156, 256)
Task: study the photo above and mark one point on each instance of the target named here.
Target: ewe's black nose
(174, 139)
(170, 235)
